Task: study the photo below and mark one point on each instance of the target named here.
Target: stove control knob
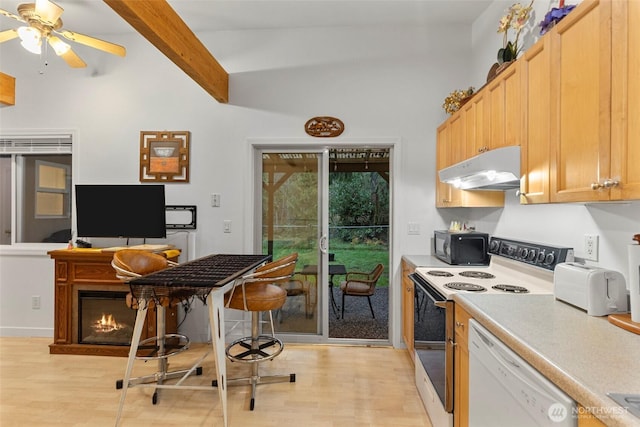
(550, 258)
(524, 252)
(541, 256)
(532, 255)
(494, 246)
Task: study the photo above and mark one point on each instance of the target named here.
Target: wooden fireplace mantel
(89, 269)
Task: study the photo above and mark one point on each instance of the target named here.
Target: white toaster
(597, 290)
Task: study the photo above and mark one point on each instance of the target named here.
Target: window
(35, 189)
(52, 190)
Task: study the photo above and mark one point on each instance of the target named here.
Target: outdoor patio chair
(359, 284)
(299, 286)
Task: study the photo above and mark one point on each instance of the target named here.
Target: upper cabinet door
(457, 136)
(504, 109)
(535, 148)
(482, 137)
(443, 191)
(625, 108)
(580, 107)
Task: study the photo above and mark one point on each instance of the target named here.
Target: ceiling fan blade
(11, 15)
(73, 60)
(48, 11)
(64, 51)
(8, 35)
(94, 42)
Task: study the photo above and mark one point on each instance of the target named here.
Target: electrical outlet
(215, 200)
(227, 226)
(35, 302)
(591, 247)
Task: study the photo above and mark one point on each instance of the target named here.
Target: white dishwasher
(504, 390)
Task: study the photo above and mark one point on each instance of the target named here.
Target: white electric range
(517, 267)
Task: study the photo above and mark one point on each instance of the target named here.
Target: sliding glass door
(332, 207)
(293, 219)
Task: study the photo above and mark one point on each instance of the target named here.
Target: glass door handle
(323, 244)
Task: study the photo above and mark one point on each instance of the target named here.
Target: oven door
(433, 338)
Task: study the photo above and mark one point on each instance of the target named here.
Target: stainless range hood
(497, 170)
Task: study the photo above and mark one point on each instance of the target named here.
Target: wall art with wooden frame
(164, 156)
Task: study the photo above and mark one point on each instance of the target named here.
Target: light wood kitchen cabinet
(594, 121)
(461, 368)
(450, 137)
(445, 193)
(478, 114)
(535, 149)
(625, 107)
(504, 109)
(457, 136)
(470, 128)
(408, 306)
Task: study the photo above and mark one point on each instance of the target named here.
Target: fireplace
(104, 318)
(86, 288)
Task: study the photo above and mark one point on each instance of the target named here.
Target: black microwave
(461, 248)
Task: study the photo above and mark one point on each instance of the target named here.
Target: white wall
(381, 82)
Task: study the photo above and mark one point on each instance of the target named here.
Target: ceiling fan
(44, 23)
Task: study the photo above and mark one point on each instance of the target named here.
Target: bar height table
(207, 278)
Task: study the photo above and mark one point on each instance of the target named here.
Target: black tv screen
(120, 211)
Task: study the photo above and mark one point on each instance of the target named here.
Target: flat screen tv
(131, 211)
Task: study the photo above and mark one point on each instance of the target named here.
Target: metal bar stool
(259, 292)
(132, 263)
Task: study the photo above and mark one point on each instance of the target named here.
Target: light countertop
(585, 356)
(425, 261)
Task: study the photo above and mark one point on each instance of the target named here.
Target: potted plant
(555, 15)
(516, 18)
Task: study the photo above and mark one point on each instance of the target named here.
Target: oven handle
(435, 296)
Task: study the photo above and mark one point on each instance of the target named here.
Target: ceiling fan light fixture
(31, 39)
(59, 46)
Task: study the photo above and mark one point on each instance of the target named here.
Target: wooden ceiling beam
(7, 89)
(162, 26)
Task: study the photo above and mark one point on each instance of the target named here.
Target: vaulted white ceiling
(95, 17)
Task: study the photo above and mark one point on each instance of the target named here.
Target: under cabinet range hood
(497, 170)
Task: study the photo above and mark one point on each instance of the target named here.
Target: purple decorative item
(554, 16)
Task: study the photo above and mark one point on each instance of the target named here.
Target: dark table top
(334, 269)
(197, 277)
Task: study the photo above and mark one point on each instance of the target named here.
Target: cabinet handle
(607, 183)
(452, 343)
(459, 325)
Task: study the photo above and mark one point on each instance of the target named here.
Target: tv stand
(90, 269)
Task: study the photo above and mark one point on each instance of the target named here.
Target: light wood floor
(335, 386)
